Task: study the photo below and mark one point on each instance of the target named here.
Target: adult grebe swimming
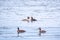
(26, 19)
(41, 31)
(29, 19)
(20, 31)
(32, 19)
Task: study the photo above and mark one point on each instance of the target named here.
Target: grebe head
(18, 28)
(39, 28)
(28, 17)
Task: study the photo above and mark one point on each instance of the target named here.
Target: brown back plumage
(20, 31)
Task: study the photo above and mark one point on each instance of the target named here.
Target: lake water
(47, 13)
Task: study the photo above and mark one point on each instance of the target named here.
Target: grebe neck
(18, 28)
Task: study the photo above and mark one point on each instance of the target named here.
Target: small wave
(4, 28)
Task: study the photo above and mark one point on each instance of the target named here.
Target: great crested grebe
(32, 19)
(29, 19)
(20, 31)
(41, 31)
(26, 19)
